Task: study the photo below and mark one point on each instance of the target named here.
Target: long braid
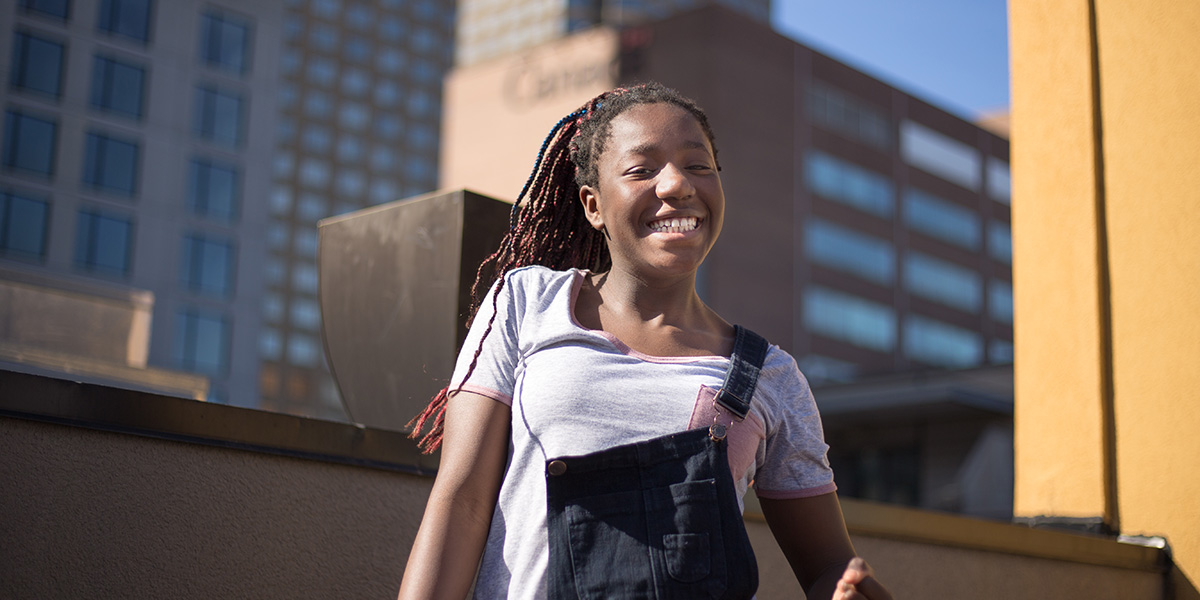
(548, 225)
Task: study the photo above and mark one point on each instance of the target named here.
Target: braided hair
(547, 225)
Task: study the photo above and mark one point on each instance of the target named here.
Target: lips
(674, 225)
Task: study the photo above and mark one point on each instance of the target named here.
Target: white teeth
(676, 225)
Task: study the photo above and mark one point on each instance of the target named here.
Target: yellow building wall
(1147, 96)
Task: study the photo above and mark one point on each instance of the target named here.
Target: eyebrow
(648, 148)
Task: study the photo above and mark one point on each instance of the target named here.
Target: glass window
(103, 243)
(943, 282)
(111, 164)
(940, 155)
(359, 16)
(285, 130)
(305, 242)
(820, 369)
(302, 350)
(37, 64)
(29, 143)
(323, 37)
(327, 9)
(349, 149)
(941, 219)
(383, 159)
(316, 139)
(277, 236)
(321, 72)
(219, 116)
(848, 251)
(306, 314)
(314, 173)
(840, 112)
(281, 200)
(53, 8)
(284, 165)
(202, 342)
(208, 265)
(1000, 352)
(391, 29)
(354, 116)
(270, 344)
(317, 104)
(388, 127)
(849, 318)
(848, 184)
(118, 87)
(215, 190)
(130, 18)
(1000, 300)
(999, 181)
(304, 278)
(422, 137)
(357, 50)
(421, 104)
(311, 207)
(386, 94)
(390, 61)
(272, 308)
(350, 183)
(23, 225)
(225, 42)
(937, 343)
(355, 82)
(385, 191)
(999, 240)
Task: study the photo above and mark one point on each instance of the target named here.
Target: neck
(671, 301)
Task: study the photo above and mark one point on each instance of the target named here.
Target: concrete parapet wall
(227, 502)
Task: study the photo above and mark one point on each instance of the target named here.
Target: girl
(603, 423)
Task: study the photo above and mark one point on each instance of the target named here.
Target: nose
(673, 182)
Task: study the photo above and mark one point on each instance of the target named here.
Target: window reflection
(849, 318)
(29, 143)
(118, 87)
(943, 282)
(103, 243)
(849, 251)
(941, 219)
(37, 64)
(848, 184)
(23, 223)
(940, 155)
(937, 343)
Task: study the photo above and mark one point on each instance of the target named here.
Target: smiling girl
(603, 423)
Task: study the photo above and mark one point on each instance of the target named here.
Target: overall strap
(749, 352)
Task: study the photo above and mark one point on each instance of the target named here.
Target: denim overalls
(660, 518)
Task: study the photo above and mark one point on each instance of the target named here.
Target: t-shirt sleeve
(792, 462)
(491, 345)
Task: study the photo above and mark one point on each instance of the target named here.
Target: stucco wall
(1107, 264)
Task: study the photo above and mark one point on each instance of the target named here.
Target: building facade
(136, 145)
(359, 98)
(492, 28)
(189, 148)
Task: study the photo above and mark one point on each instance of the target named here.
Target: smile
(678, 225)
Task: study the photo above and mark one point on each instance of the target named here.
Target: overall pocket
(608, 546)
(685, 529)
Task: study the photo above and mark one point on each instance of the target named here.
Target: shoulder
(536, 287)
(781, 382)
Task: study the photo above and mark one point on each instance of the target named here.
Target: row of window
(872, 325)
(224, 39)
(104, 244)
(873, 259)
(841, 112)
(111, 163)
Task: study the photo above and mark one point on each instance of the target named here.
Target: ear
(590, 197)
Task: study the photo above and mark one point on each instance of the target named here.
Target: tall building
(188, 148)
(136, 145)
(359, 98)
(492, 28)
(866, 232)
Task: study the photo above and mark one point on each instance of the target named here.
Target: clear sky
(950, 53)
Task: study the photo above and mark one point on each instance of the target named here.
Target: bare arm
(812, 534)
(446, 552)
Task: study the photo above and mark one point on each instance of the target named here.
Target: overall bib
(656, 519)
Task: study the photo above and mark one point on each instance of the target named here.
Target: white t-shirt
(574, 391)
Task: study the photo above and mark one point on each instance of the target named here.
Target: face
(659, 197)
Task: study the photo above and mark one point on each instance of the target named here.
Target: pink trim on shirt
(500, 397)
(793, 494)
(621, 346)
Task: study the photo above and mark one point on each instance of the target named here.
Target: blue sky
(951, 53)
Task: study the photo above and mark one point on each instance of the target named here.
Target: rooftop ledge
(42, 398)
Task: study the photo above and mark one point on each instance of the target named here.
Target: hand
(858, 583)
